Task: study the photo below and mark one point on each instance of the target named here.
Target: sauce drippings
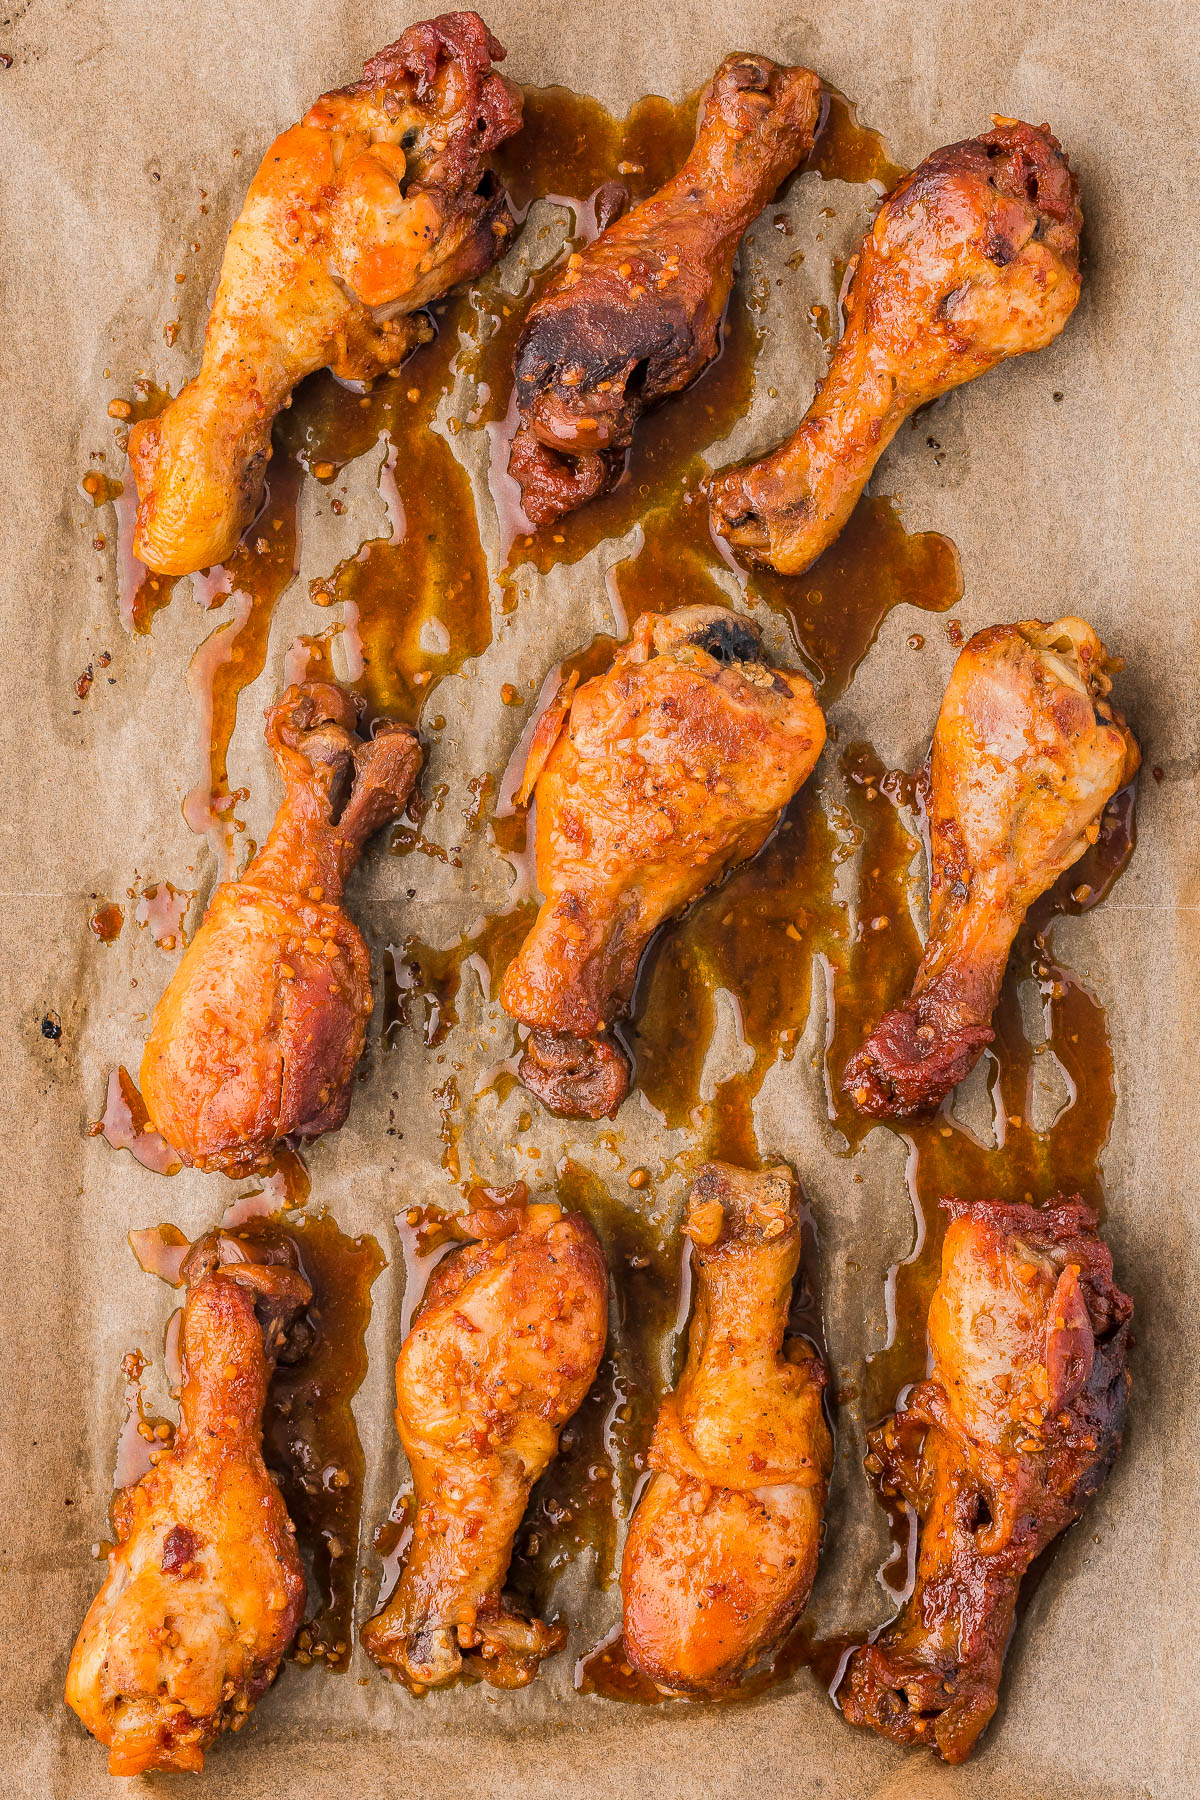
(125, 1125)
(107, 921)
(235, 653)
(415, 604)
(310, 1439)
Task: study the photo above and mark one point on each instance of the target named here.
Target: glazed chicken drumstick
(1027, 752)
(503, 1350)
(258, 1033)
(379, 201)
(205, 1587)
(722, 1549)
(998, 1451)
(636, 315)
(651, 782)
(972, 259)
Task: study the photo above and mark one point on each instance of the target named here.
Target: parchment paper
(113, 118)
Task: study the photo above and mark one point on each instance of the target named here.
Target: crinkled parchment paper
(114, 115)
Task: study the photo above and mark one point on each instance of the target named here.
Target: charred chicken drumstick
(1027, 752)
(972, 259)
(722, 1549)
(504, 1348)
(651, 781)
(205, 1587)
(637, 314)
(368, 210)
(258, 1033)
(998, 1451)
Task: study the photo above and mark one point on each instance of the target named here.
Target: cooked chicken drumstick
(972, 259)
(205, 1587)
(998, 1451)
(503, 1350)
(637, 314)
(369, 209)
(651, 781)
(722, 1549)
(257, 1035)
(1027, 752)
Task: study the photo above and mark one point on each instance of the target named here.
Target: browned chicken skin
(651, 781)
(205, 1587)
(375, 204)
(637, 314)
(972, 259)
(258, 1033)
(722, 1549)
(998, 1451)
(504, 1348)
(1027, 752)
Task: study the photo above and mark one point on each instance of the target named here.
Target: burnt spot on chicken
(636, 315)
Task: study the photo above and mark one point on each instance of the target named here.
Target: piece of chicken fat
(205, 1587)
(722, 1549)
(651, 782)
(502, 1351)
(377, 203)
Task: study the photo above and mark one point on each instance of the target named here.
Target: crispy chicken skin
(998, 1451)
(503, 1350)
(651, 781)
(205, 1587)
(637, 314)
(374, 205)
(972, 259)
(257, 1035)
(1027, 752)
(722, 1549)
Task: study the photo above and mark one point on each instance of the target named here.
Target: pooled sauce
(106, 922)
(310, 1439)
(235, 653)
(589, 1487)
(414, 603)
(125, 1125)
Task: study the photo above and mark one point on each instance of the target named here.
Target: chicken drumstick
(257, 1035)
(651, 781)
(972, 259)
(998, 1451)
(368, 210)
(503, 1350)
(636, 315)
(1027, 752)
(205, 1587)
(722, 1549)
